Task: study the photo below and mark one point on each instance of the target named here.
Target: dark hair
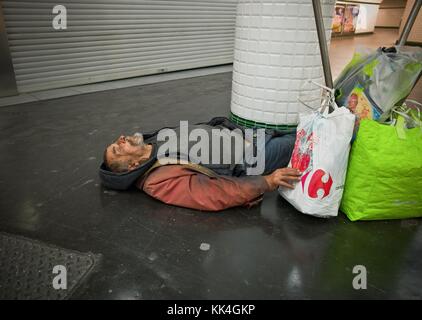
(115, 165)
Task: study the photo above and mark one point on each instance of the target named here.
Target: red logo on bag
(317, 184)
(302, 151)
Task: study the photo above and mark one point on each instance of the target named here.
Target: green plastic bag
(384, 178)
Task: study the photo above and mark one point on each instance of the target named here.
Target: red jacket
(180, 186)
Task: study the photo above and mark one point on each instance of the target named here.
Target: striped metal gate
(115, 39)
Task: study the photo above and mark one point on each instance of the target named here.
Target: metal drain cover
(26, 269)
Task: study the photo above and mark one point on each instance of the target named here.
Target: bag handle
(327, 100)
(400, 127)
(418, 118)
(405, 115)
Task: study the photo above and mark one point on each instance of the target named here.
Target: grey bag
(374, 82)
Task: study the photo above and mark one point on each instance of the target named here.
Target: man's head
(126, 153)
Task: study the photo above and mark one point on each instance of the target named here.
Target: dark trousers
(278, 151)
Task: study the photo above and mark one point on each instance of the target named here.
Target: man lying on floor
(227, 180)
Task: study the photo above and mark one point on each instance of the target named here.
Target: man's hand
(284, 177)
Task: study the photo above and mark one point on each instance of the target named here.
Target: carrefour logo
(319, 180)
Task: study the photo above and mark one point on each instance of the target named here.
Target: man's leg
(278, 152)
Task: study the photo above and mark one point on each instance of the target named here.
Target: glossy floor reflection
(49, 190)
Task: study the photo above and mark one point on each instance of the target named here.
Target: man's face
(126, 148)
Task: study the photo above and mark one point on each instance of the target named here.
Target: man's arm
(176, 185)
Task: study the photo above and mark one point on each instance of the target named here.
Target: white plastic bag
(321, 152)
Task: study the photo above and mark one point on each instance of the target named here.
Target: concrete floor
(50, 191)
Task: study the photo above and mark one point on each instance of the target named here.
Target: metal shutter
(114, 39)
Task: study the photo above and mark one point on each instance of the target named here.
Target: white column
(276, 50)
